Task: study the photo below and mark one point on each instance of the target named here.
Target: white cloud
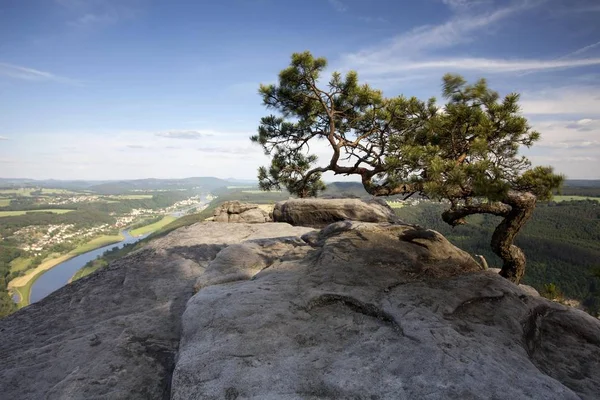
(478, 64)
(582, 100)
(3, 138)
(571, 146)
(338, 5)
(90, 13)
(94, 19)
(132, 154)
(189, 134)
(462, 4)
(582, 50)
(30, 74)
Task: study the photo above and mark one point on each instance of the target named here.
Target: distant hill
(206, 183)
(583, 182)
(121, 186)
(582, 187)
(344, 189)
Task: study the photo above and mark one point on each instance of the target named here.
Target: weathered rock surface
(114, 334)
(322, 212)
(237, 211)
(357, 310)
(378, 311)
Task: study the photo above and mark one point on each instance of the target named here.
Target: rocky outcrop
(236, 211)
(115, 333)
(356, 310)
(378, 311)
(322, 212)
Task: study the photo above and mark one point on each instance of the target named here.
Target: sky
(125, 89)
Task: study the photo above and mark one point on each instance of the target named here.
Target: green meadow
(23, 212)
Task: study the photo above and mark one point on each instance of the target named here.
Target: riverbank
(147, 229)
(22, 285)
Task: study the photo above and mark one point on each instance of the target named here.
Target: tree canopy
(466, 152)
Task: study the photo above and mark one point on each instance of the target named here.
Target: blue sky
(115, 89)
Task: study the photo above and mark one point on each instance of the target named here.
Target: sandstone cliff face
(356, 310)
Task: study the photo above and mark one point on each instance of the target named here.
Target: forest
(561, 243)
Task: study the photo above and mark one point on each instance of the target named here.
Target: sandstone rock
(115, 333)
(379, 311)
(254, 216)
(357, 310)
(526, 288)
(321, 212)
(236, 212)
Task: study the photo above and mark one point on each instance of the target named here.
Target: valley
(43, 226)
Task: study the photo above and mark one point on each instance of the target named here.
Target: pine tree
(465, 152)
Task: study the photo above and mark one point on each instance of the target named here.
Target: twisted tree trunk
(513, 258)
(516, 208)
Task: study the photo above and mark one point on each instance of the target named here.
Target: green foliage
(335, 115)
(7, 254)
(466, 152)
(551, 291)
(468, 149)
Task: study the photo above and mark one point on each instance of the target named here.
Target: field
(19, 264)
(16, 213)
(259, 191)
(152, 227)
(134, 196)
(27, 191)
(572, 198)
(4, 202)
(96, 243)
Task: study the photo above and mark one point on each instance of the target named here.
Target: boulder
(322, 212)
(239, 212)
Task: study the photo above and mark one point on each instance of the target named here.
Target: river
(59, 276)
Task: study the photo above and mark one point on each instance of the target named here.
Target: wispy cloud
(424, 39)
(581, 50)
(482, 64)
(189, 134)
(94, 19)
(90, 13)
(373, 20)
(582, 134)
(572, 100)
(463, 4)
(3, 138)
(30, 74)
(572, 146)
(338, 5)
(226, 149)
(419, 48)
